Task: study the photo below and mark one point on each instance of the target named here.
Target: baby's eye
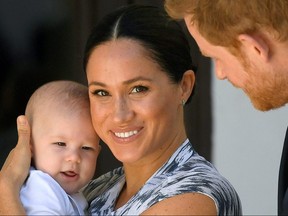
(87, 148)
(139, 88)
(60, 143)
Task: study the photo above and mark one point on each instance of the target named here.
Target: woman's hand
(15, 171)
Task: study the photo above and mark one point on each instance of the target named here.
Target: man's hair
(221, 21)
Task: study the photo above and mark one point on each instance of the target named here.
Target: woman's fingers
(16, 166)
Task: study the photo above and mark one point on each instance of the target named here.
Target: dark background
(43, 40)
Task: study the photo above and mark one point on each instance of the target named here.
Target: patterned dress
(184, 172)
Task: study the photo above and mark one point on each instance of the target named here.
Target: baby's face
(66, 147)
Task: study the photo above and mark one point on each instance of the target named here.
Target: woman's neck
(137, 174)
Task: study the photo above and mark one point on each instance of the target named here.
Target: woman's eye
(100, 93)
(138, 89)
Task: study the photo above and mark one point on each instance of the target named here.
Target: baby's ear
(31, 146)
(99, 150)
(32, 153)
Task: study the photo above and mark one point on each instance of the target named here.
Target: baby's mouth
(69, 173)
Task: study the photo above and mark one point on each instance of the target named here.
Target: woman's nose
(122, 110)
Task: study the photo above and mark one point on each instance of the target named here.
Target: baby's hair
(66, 95)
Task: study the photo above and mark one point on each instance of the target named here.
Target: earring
(183, 103)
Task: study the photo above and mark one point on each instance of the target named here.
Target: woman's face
(136, 109)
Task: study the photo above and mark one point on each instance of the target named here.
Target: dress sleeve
(207, 183)
(42, 195)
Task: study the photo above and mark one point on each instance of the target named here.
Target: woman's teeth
(126, 134)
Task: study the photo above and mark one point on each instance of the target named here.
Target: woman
(140, 76)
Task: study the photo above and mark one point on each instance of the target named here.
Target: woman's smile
(125, 134)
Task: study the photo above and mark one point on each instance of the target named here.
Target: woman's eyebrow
(127, 82)
(96, 83)
(139, 78)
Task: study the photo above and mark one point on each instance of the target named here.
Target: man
(249, 45)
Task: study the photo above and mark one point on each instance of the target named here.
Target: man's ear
(255, 46)
(187, 84)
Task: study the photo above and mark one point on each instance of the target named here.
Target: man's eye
(138, 89)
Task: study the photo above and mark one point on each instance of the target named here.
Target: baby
(64, 149)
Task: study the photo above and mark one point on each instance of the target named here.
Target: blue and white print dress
(184, 172)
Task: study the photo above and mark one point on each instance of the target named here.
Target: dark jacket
(283, 180)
